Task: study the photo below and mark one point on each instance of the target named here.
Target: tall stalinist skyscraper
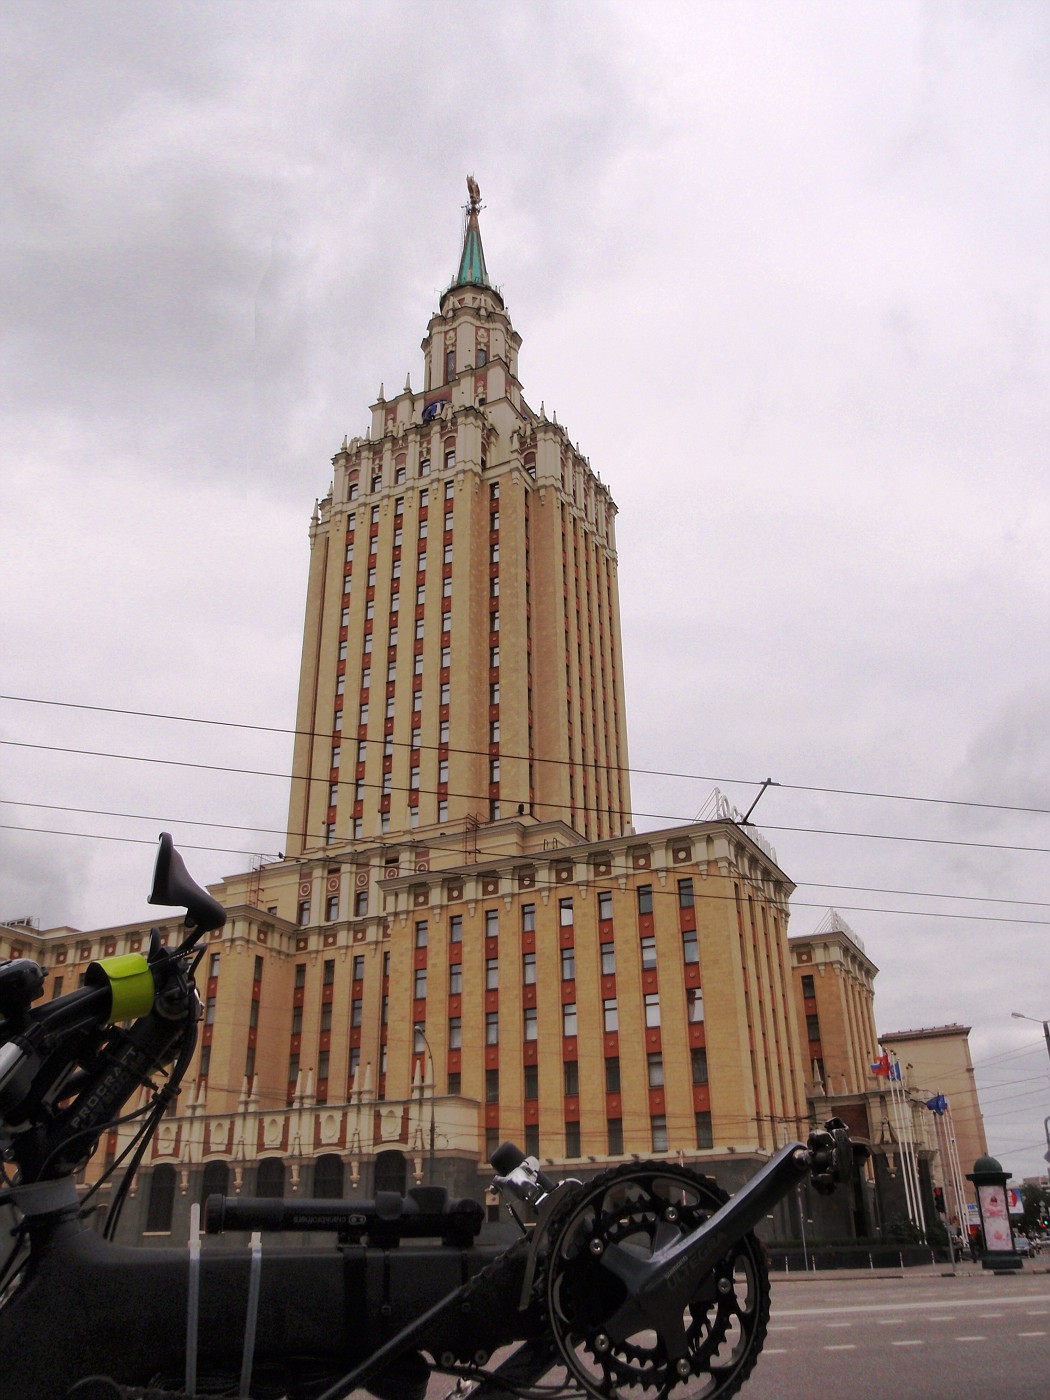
(461, 655)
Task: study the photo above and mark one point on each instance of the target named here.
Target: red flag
(881, 1067)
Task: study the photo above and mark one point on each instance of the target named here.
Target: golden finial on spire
(474, 193)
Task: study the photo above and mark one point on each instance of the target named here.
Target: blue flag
(938, 1103)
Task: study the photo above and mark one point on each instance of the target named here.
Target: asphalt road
(920, 1337)
(917, 1336)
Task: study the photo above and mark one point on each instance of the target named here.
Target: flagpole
(960, 1194)
(916, 1180)
(942, 1147)
(905, 1174)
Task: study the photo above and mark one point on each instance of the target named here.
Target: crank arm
(661, 1286)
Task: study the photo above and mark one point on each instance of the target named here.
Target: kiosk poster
(997, 1233)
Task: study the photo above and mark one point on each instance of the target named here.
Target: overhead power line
(611, 883)
(280, 831)
(643, 772)
(676, 819)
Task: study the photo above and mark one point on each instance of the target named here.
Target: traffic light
(938, 1199)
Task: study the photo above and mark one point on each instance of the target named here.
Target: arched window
(328, 1177)
(269, 1178)
(161, 1200)
(390, 1171)
(215, 1180)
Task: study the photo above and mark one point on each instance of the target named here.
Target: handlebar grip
(508, 1157)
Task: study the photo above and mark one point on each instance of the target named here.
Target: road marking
(782, 1327)
(984, 1315)
(914, 1306)
(1031, 1334)
(971, 1339)
(892, 1321)
(775, 1351)
(1037, 1312)
(840, 1324)
(909, 1343)
(944, 1318)
(840, 1346)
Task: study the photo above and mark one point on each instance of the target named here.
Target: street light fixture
(1020, 1016)
(421, 1035)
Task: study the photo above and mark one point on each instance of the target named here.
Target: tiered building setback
(466, 940)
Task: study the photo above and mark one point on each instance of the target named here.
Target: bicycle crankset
(620, 1324)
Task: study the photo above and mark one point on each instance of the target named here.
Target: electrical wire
(642, 772)
(655, 816)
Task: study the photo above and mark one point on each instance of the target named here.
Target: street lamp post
(1020, 1016)
(422, 1035)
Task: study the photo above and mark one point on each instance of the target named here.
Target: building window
(455, 928)
(492, 1086)
(698, 1058)
(694, 1002)
(704, 1135)
(813, 1027)
(568, 964)
(455, 979)
(808, 986)
(454, 1081)
(491, 923)
(685, 894)
(358, 967)
(610, 1014)
(531, 1029)
(658, 1124)
(565, 916)
(572, 1079)
(326, 1017)
(492, 1028)
(528, 918)
(304, 912)
(491, 974)
(161, 1205)
(645, 899)
(450, 462)
(421, 933)
(455, 1033)
(612, 1074)
(572, 1139)
(648, 954)
(656, 1071)
(331, 909)
(652, 1010)
(605, 904)
(614, 1127)
(568, 1018)
(608, 960)
(360, 903)
(300, 974)
(419, 984)
(690, 950)
(532, 1082)
(357, 1007)
(297, 1019)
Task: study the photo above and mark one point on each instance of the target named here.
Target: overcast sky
(780, 269)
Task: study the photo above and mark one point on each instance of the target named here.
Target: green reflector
(131, 983)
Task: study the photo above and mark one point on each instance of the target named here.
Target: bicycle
(645, 1282)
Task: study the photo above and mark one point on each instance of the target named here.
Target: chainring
(638, 1209)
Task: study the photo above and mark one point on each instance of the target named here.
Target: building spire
(472, 270)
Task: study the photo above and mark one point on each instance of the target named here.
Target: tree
(1036, 1201)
